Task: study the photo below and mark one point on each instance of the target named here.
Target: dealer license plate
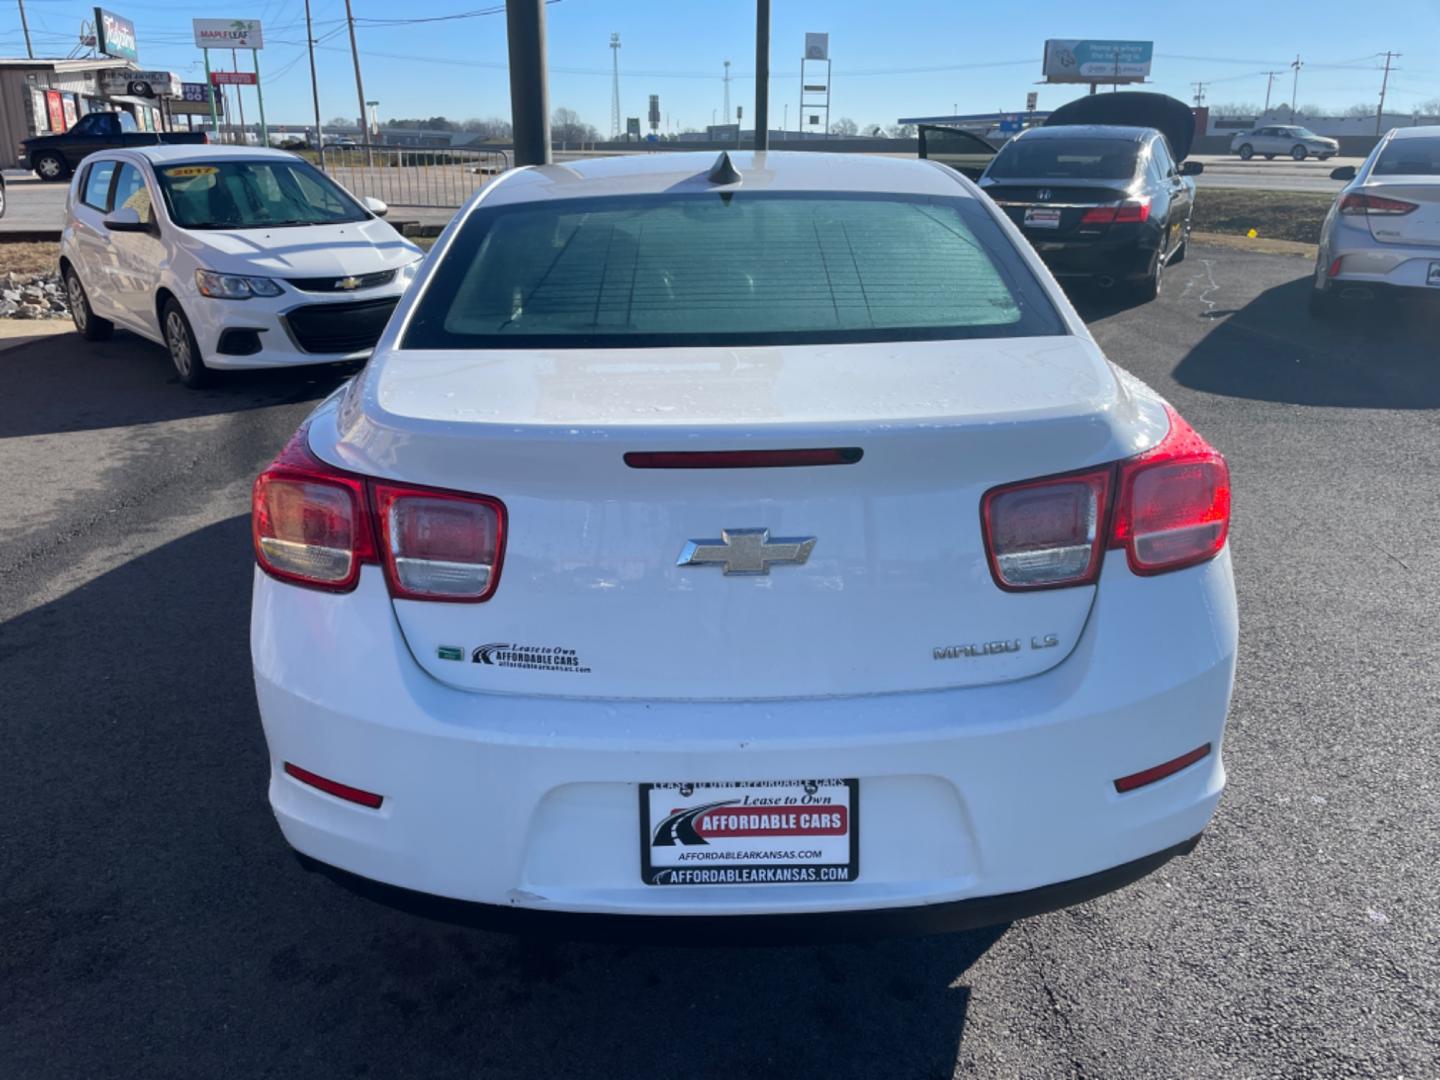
(761, 832)
(1433, 277)
(1042, 217)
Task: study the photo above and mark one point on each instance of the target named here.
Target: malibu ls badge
(746, 551)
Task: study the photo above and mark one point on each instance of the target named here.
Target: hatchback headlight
(234, 286)
(409, 271)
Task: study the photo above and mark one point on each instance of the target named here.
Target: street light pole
(529, 92)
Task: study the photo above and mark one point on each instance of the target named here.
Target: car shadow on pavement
(1380, 354)
(155, 916)
(127, 381)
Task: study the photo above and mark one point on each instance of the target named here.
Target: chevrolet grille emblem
(348, 283)
(746, 551)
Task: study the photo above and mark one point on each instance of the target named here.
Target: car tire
(1246, 152)
(1178, 255)
(1148, 287)
(181, 344)
(1299, 153)
(2, 198)
(89, 325)
(51, 168)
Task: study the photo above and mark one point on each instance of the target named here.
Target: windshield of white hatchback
(253, 195)
(731, 268)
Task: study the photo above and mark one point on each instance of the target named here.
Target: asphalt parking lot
(154, 924)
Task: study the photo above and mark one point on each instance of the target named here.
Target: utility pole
(1294, 87)
(726, 111)
(615, 86)
(239, 99)
(29, 52)
(762, 74)
(314, 85)
(1199, 93)
(1384, 83)
(1269, 82)
(359, 86)
(529, 92)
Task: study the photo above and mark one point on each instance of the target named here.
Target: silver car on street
(1383, 232)
(1288, 139)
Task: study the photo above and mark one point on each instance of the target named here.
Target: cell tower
(615, 86)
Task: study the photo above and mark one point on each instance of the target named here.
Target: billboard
(232, 78)
(228, 34)
(1097, 61)
(115, 36)
(194, 100)
(817, 46)
(122, 82)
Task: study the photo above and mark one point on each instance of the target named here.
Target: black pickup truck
(55, 157)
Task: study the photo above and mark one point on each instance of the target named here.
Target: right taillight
(1356, 204)
(1173, 502)
(1168, 508)
(315, 525)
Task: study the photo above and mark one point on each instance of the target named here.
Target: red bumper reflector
(741, 459)
(332, 787)
(1160, 772)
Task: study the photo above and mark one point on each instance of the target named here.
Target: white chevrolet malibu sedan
(762, 542)
(229, 256)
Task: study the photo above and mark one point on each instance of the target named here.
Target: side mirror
(1192, 168)
(375, 206)
(126, 219)
(1344, 172)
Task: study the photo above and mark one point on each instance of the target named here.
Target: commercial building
(46, 97)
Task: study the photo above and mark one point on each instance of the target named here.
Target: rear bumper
(957, 915)
(966, 796)
(1128, 260)
(1364, 260)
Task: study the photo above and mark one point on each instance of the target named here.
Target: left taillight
(1168, 507)
(310, 522)
(315, 525)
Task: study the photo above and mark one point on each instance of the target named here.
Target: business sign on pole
(228, 34)
(1098, 61)
(817, 46)
(1031, 100)
(654, 111)
(632, 127)
(115, 36)
(232, 78)
(194, 100)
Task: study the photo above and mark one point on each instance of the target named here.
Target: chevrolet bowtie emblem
(746, 551)
(348, 283)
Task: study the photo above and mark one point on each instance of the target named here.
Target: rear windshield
(1409, 157)
(1066, 159)
(734, 269)
(266, 194)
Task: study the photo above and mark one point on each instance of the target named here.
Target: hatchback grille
(343, 284)
(340, 328)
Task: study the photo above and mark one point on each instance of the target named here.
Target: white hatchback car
(767, 540)
(230, 256)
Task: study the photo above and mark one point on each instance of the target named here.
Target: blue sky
(891, 59)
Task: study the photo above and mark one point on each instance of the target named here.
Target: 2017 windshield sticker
(530, 657)
(178, 172)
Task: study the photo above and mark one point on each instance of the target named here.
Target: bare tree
(844, 126)
(490, 127)
(567, 127)
(1429, 108)
(1358, 110)
(902, 131)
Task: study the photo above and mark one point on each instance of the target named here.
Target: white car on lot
(1382, 233)
(1288, 139)
(769, 539)
(231, 257)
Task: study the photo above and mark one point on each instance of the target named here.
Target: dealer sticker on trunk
(1042, 217)
(760, 832)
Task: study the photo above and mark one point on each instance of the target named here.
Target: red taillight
(440, 545)
(1171, 509)
(1044, 534)
(1173, 506)
(316, 525)
(742, 459)
(1356, 204)
(1132, 211)
(310, 522)
(334, 787)
(1160, 772)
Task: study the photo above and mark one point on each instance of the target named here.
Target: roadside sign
(228, 34)
(1031, 100)
(1097, 61)
(115, 36)
(1010, 125)
(232, 78)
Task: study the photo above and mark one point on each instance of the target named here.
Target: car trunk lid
(896, 592)
(1419, 226)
